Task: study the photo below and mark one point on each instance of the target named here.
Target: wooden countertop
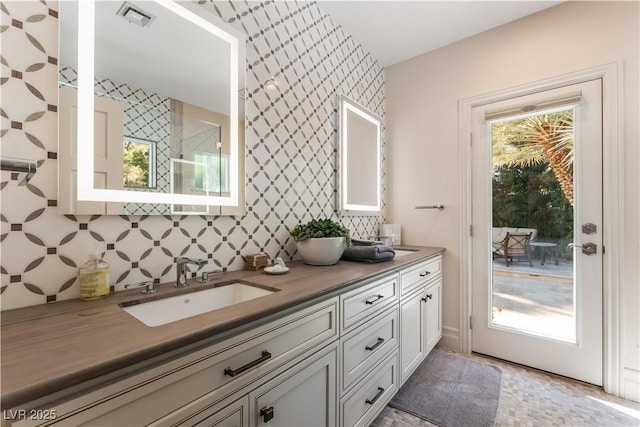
(47, 348)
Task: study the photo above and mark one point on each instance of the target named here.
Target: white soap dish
(276, 269)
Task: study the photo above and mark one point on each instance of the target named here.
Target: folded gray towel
(375, 253)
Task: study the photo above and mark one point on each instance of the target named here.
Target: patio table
(544, 247)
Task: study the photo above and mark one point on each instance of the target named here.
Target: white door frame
(613, 205)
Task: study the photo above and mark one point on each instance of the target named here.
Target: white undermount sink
(166, 310)
(402, 252)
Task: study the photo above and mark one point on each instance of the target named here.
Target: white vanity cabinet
(173, 391)
(420, 313)
(334, 361)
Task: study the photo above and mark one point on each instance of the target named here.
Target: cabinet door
(412, 335)
(433, 324)
(304, 396)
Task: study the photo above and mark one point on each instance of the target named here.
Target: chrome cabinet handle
(376, 345)
(232, 373)
(425, 273)
(376, 397)
(374, 299)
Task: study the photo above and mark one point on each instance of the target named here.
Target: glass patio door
(537, 218)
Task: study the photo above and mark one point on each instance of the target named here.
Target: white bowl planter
(321, 251)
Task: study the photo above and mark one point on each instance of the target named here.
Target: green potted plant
(321, 241)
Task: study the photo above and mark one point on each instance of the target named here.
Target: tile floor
(534, 398)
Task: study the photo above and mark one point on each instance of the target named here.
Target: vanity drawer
(225, 367)
(366, 346)
(358, 304)
(366, 401)
(411, 278)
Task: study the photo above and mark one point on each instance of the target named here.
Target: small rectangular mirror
(359, 160)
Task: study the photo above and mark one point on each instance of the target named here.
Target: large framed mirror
(359, 160)
(151, 120)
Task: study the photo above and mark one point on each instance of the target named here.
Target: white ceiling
(394, 31)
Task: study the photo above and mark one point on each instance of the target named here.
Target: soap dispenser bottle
(93, 278)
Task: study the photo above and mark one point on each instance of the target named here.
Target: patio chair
(514, 245)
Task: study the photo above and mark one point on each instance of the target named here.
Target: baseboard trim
(631, 384)
(450, 338)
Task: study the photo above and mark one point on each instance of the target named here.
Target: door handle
(587, 248)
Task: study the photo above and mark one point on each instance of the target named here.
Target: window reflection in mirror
(151, 86)
(139, 162)
(360, 158)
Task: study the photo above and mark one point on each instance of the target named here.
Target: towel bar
(439, 207)
(13, 164)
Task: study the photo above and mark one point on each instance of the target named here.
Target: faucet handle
(149, 286)
(206, 275)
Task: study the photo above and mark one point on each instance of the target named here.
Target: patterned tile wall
(290, 154)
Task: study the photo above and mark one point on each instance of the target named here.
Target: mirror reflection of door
(108, 166)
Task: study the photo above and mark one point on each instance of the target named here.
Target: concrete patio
(535, 299)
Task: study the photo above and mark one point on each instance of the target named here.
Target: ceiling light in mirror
(201, 30)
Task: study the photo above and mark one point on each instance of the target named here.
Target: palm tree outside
(535, 140)
(533, 173)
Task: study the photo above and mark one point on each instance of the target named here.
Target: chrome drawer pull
(425, 273)
(376, 345)
(376, 397)
(265, 356)
(374, 299)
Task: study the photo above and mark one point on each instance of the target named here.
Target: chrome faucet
(181, 269)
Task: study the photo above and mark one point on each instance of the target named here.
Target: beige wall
(423, 135)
